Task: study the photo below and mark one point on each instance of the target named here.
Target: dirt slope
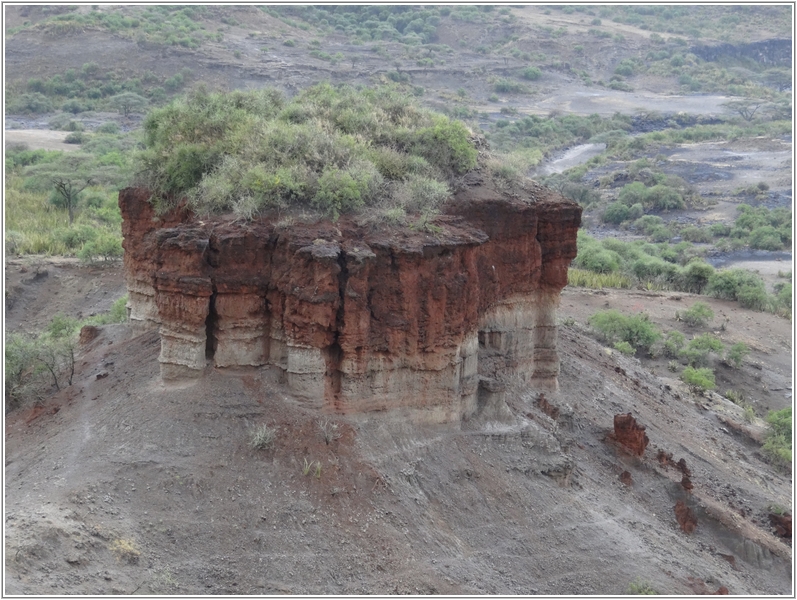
(121, 485)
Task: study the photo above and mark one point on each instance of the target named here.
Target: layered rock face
(357, 318)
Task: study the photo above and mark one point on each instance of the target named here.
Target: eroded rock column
(184, 307)
(240, 325)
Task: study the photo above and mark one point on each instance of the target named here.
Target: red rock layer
(630, 434)
(360, 319)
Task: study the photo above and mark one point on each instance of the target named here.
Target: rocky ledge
(356, 317)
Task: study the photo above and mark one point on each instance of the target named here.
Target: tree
(68, 192)
(68, 176)
(778, 78)
(128, 102)
(745, 108)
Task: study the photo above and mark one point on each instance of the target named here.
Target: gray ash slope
(121, 485)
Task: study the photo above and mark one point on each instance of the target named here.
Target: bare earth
(119, 484)
(39, 138)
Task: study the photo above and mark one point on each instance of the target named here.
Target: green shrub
(635, 211)
(636, 330)
(720, 229)
(62, 326)
(616, 213)
(339, 191)
(727, 283)
(74, 106)
(106, 245)
(108, 127)
(507, 86)
(589, 279)
(778, 443)
(674, 343)
(698, 349)
(753, 297)
(76, 137)
(633, 193)
(646, 223)
(662, 197)
(784, 294)
(695, 276)
(625, 68)
(699, 380)
(736, 354)
(35, 103)
(598, 260)
(765, 238)
(697, 315)
(624, 348)
(77, 235)
(696, 235)
(332, 148)
(531, 73)
(641, 588)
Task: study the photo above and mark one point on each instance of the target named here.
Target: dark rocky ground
(121, 485)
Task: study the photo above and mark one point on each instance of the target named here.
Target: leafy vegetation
(778, 445)
(698, 21)
(333, 149)
(61, 202)
(37, 363)
(666, 266)
(697, 315)
(635, 330)
(641, 588)
(697, 351)
(699, 380)
(533, 132)
(173, 25)
(93, 88)
(736, 354)
(411, 25)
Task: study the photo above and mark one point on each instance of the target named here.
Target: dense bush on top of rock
(330, 149)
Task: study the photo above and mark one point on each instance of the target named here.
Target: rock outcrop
(630, 434)
(356, 317)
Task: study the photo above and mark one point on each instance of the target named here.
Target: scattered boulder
(629, 434)
(88, 333)
(782, 525)
(685, 517)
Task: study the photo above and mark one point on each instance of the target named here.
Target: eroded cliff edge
(356, 317)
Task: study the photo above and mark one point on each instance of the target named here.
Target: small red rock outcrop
(356, 317)
(630, 434)
(782, 524)
(685, 517)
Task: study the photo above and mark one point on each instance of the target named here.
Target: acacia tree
(68, 192)
(68, 176)
(127, 102)
(745, 108)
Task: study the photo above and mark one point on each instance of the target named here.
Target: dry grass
(596, 281)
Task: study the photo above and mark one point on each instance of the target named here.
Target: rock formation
(630, 434)
(685, 517)
(355, 317)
